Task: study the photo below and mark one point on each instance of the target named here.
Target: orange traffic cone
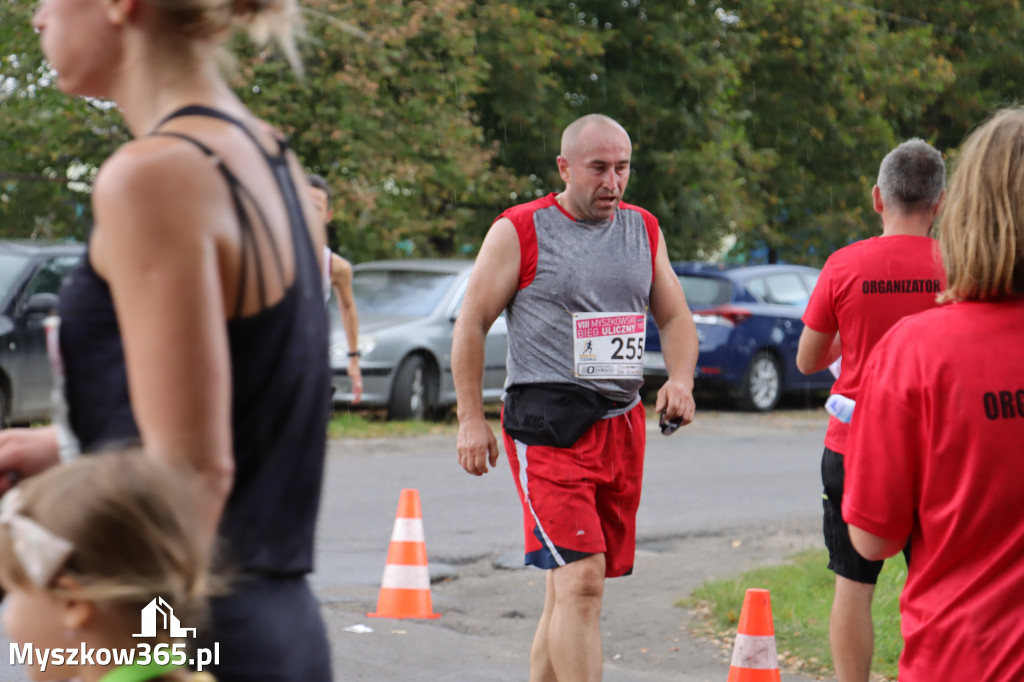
(754, 658)
(405, 587)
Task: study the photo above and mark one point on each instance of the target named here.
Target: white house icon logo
(170, 621)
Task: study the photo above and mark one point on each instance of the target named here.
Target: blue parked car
(748, 323)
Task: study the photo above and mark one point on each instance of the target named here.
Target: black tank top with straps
(280, 382)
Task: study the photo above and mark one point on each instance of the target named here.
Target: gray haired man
(864, 289)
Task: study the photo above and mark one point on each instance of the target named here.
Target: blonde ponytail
(263, 20)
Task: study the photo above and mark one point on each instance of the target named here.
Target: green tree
(386, 111)
(533, 52)
(50, 144)
(668, 71)
(827, 88)
(982, 41)
(671, 74)
(762, 121)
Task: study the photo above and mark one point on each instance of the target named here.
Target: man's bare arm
(492, 285)
(816, 350)
(679, 342)
(341, 282)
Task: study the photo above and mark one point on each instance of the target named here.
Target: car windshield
(11, 265)
(399, 292)
(784, 288)
(705, 292)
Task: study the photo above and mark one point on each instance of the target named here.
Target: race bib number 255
(608, 345)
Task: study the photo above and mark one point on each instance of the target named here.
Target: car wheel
(763, 384)
(413, 390)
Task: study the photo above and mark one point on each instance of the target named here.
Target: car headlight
(339, 350)
(366, 344)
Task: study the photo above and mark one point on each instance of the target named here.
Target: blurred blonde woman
(195, 325)
(938, 433)
(84, 549)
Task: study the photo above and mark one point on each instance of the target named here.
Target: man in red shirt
(863, 290)
(944, 393)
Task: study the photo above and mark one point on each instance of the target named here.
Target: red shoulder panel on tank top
(522, 218)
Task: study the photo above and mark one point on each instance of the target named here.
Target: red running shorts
(582, 500)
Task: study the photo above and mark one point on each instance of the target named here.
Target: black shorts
(268, 630)
(843, 559)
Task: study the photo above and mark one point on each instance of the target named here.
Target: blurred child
(84, 549)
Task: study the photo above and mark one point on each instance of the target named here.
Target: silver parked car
(407, 311)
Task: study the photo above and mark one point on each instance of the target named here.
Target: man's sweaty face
(598, 174)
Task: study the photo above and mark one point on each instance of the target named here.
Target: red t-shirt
(863, 290)
(937, 453)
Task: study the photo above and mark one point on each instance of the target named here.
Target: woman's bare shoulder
(156, 164)
(158, 195)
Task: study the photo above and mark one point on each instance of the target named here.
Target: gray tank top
(572, 266)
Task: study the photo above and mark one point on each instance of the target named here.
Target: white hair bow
(39, 550)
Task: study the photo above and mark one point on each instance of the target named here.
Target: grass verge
(375, 424)
(367, 425)
(801, 593)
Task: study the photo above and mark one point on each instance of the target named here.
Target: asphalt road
(728, 469)
(731, 491)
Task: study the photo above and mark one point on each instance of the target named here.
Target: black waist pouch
(553, 415)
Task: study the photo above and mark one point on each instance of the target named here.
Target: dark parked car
(31, 274)
(748, 323)
(407, 311)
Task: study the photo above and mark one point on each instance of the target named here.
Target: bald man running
(575, 273)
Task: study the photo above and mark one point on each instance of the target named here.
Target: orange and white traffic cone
(754, 657)
(405, 587)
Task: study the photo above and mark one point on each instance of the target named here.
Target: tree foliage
(669, 73)
(982, 40)
(825, 90)
(50, 144)
(386, 113)
(758, 123)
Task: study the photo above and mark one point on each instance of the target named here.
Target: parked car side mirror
(40, 304)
